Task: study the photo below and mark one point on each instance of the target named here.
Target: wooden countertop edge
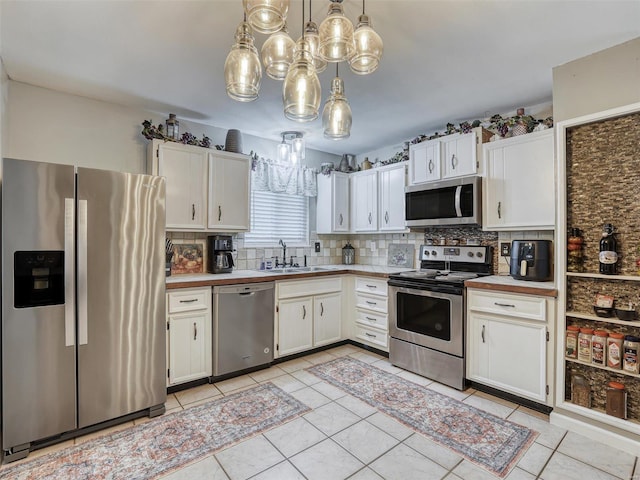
(543, 292)
(270, 278)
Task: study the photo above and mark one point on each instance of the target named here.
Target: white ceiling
(443, 60)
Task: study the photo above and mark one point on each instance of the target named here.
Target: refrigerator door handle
(69, 287)
(82, 273)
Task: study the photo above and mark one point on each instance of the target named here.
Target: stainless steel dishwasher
(242, 327)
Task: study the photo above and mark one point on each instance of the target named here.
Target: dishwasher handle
(244, 289)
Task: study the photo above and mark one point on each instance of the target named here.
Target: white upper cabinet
(365, 201)
(519, 183)
(391, 183)
(229, 190)
(450, 156)
(424, 162)
(333, 203)
(186, 172)
(206, 190)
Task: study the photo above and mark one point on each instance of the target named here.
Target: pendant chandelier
(294, 150)
(336, 115)
(242, 70)
(266, 16)
(299, 63)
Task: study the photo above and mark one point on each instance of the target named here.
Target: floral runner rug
(489, 441)
(166, 443)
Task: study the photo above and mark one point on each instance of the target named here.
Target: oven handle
(409, 287)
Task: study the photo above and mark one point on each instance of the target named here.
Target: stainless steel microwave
(455, 201)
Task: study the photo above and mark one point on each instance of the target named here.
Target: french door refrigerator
(83, 300)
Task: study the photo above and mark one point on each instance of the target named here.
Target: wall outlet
(505, 249)
(317, 246)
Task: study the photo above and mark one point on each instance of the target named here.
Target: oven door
(430, 318)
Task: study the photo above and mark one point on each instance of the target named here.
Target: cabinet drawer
(299, 288)
(371, 302)
(188, 300)
(529, 307)
(369, 319)
(374, 286)
(373, 336)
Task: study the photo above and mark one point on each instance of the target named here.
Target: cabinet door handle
(191, 300)
(454, 161)
(386, 217)
(504, 305)
(369, 218)
(431, 165)
(219, 212)
(304, 312)
(340, 219)
(195, 330)
(499, 209)
(370, 335)
(483, 334)
(193, 211)
(321, 309)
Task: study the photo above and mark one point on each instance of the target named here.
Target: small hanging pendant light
(242, 70)
(368, 47)
(336, 35)
(301, 92)
(277, 54)
(283, 151)
(266, 16)
(336, 115)
(313, 39)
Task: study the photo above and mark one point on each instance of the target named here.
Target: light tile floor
(343, 437)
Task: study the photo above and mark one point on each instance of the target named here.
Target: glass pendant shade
(277, 54)
(313, 39)
(242, 69)
(336, 35)
(336, 115)
(301, 91)
(297, 149)
(283, 152)
(266, 16)
(368, 50)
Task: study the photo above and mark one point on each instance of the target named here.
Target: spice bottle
(585, 338)
(614, 350)
(630, 359)
(574, 250)
(599, 347)
(580, 391)
(616, 400)
(571, 341)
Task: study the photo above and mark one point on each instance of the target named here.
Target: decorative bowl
(603, 311)
(625, 314)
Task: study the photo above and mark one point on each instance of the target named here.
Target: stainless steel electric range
(427, 311)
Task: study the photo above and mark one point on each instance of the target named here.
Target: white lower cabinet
(371, 315)
(188, 335)
(507, 337)
(308, 314)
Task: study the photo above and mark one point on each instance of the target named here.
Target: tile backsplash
(370, 249)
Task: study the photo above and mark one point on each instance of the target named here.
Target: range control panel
(458, 253)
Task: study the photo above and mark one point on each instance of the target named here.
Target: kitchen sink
(296, 270)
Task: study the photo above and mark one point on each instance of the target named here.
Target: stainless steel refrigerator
(83, 300)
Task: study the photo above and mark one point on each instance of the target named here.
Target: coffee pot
(222, 261)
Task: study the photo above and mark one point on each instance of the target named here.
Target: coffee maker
(219, 248)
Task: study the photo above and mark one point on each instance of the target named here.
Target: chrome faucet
(284, 252)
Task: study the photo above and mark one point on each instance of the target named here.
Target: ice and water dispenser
(38, 278)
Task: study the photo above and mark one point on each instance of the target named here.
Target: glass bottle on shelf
(580, 390)
(616, 400)
(608, 257)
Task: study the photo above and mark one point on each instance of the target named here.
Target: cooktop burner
(420, 273)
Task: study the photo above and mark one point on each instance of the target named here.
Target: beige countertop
(506, 283)
(255, 276)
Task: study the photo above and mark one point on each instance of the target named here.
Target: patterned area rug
(484, 439)
(166, 443)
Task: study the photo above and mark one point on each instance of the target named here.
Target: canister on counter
(616, 400)
(585, 338)
(599, 347)
(630, 360)
(571, 349)
(614, 350)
